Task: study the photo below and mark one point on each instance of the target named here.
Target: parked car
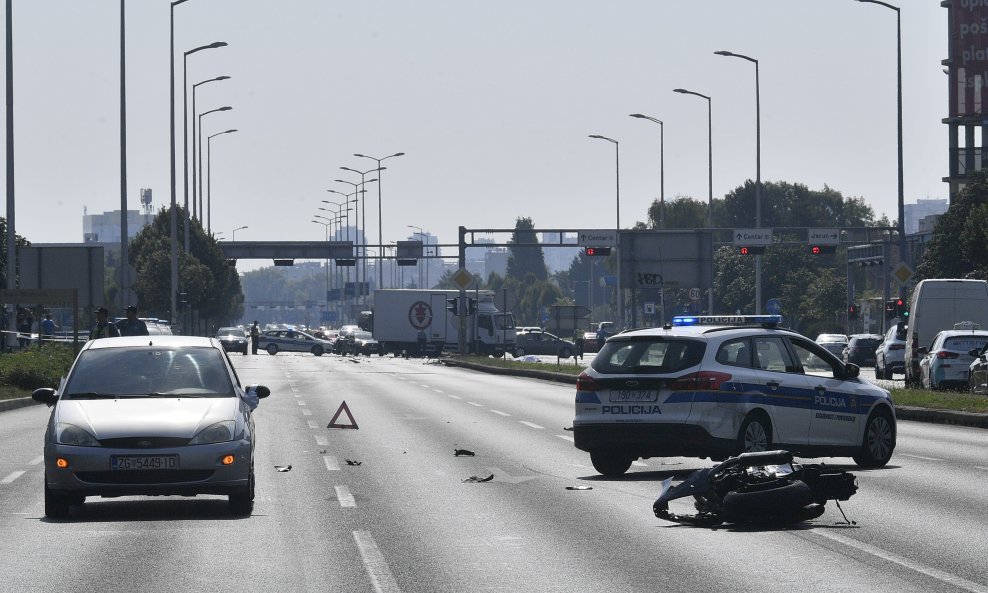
(947, 362)
(590, 341)
(890, 354)
(341, 338)
(833, 343)
(234, 339)
(860, 349)
(177, 422)
(361, 342)
(540, 342)
(291, 340)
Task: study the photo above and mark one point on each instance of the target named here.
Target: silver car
(890, 357)
(292, 340)
(165, 416)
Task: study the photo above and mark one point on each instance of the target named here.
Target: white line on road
(301, 403)
(36, 460)
(322, 441)
(531, 424)
(332, 464)
(905, 562)
(346, 499)
(639, 464)
(312, 424)
(979, 467)
(920, 457)
(500, 413)
(565, 437)
(454, 396)
(476, 404)
(306, 412)
(12, 477)
(377, 567)
(438, 390)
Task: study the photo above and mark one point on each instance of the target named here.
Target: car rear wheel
(879, 440)
(56, 505)
(755, 433)
(610, 464)
(317, 350)
(519, 352)
(272, 349)
(242, 503)
(565, 353)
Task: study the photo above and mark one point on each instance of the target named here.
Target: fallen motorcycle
(762, 488)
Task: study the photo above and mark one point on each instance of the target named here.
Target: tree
(958, 246)
(18, 240)
(682, 213)
(525, 254)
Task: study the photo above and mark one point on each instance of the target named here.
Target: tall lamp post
(340, 212)
(361, 223)
(197, 172)
(202, 213)
(710, 178)
(380, 234)
(363, 210)
(234, 233)
(758, 174)
(662, 167)
(209, 173)
(173, 218)
(901, 197)
(617, 226)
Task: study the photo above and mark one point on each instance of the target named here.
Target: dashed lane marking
(377, 567)
(565, 437)
(332, 464)
(301, 403)
(13, 476)
(454, 396)
(36, 460)
(346, 499)
(531, 425)
(920, 457)
(306, 412)
(322, 441)
(312, 424)
(476, 404)
(500, 413)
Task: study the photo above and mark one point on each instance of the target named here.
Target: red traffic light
(823, 249)
(596, 251)
(751, 250)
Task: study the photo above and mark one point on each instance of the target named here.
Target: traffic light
(890, 310)
(471, 306)
(852, 312)
(901, 308)
(751, 249)
(596, 251)
(453, 305)
(823, 249)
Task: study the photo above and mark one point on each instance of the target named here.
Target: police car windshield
(648, 355)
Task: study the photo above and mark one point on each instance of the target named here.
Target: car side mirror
(261, 390)
(921, 351)
(974, 352)
(45, 395)
(851, 371)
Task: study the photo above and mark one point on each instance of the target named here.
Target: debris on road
(479, 479)
(463, 453)
(352, 462)
(579, 487)
(283, 468)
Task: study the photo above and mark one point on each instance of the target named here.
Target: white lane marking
(377, 567)
(500, 413)
(312, 424)
(322, 441)
(332, 464)
(306, 412)
(565, 437)
(346, 499)
(438, 390)
(639, 464)
(36, 460)
(12, 477)
(424, 385)
(920, 457)
(531, 424)
(979, 467)
(297, 394)
(301, 403)
(476, 404)
(454, 396)
(905, 562)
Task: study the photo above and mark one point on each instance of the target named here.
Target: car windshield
(148, 372)
(651, 355)
(362, 335)
(230, 331)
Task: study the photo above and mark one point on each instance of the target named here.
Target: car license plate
(633, 395)
(143, 462)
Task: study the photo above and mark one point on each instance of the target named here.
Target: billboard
(968, 30)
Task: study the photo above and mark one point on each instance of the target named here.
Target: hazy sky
(492, 102)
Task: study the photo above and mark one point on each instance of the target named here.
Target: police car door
(835, 419)
(785, 391)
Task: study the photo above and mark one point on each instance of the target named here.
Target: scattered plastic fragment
(283, 468)
(568, 428)
(322, 451)
(463, 453)
(352, 462)
(579, 487)
(479, 479)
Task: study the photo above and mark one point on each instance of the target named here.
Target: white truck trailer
(402, 317)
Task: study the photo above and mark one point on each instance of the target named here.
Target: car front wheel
(56, 505)
(610, 464)
(879, 440)
(272, 349)
(317, 350)
(242, 503)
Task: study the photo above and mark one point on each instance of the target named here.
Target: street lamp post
(901, 194)
(617, 226)
(710, 179)
(362, 226)
(363, 210)
(202, 213)
(662, 167)
(185, 125)
(209, 185)
(173, 218)
(758, 174)
(234, 233)
(197, 172)
(380, 234)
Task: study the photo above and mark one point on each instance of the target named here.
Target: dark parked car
(540, 342)
(233, 339)
(861, 348)
(361, 342)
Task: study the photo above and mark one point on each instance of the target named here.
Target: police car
(722, 385)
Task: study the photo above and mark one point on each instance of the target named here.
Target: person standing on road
(104, 328)
(578, 340)
(132, 326)
(255, 335)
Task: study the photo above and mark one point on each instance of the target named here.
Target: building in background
(914, 213)
(559, 258)
(105, 228)
(967, 71)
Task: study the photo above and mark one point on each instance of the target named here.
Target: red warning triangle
(343, 408)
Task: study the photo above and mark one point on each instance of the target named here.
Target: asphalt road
(405, 520)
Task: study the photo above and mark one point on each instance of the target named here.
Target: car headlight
(70, 434)
(220, 432)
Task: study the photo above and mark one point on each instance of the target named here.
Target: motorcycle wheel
(782, 505)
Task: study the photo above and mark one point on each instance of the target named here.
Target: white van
(936, 306)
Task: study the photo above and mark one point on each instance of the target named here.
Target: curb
(969, 419)
(17, 402)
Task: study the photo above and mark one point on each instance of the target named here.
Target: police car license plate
(142, 462)
(633, 395)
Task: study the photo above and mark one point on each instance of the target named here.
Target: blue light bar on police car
(687, 320)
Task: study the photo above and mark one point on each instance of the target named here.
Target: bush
(36, 368)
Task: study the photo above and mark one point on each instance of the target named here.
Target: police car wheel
(272, 349)
(610, 464)
(879, 440)
(755, 434)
